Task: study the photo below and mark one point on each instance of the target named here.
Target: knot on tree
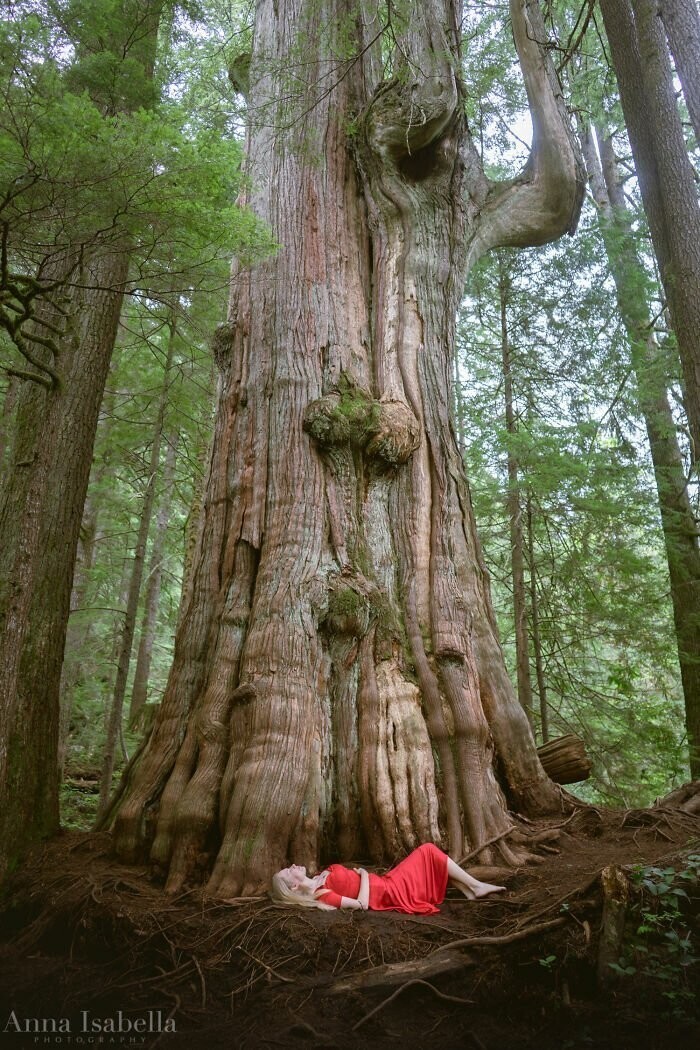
(353, 605)
(222, 344)
(239, 73)
(386, 430)
(397, 435)
(404, 119)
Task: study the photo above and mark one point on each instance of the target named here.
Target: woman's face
(295, 878)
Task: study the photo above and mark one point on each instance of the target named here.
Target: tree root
(394, 995)
(498, 941)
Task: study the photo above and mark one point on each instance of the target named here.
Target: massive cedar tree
(338, 686)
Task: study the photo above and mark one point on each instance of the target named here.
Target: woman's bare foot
(482, 889)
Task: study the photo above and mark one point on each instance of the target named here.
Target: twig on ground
(270, 969)
(485, 845)
(572, 893)
(201, 978)
(507, 938)
(409, 984)
(172, 1013)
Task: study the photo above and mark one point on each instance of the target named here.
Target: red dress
(416, 885)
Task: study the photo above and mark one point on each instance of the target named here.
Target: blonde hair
(280, 892)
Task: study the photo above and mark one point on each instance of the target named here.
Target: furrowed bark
(666, 179)
(40, 520)
(682, 23)
(338, 685)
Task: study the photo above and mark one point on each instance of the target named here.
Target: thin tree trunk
(666, 178)
(535, 626)
(139, 693)
(678, 522)
(682, 22)
(77, 634)
(338, 684)
(79, 630)
(515, 513)
(135, 580)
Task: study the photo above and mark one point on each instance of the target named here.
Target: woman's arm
(328, 896)
(363, 895)
(336, 901)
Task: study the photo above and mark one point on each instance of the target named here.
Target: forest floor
(90, 945)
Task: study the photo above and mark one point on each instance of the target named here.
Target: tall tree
(337, 681)
(666, 178)
(139, 692)
(136, 577)
(514, 504)
(677, 519)
(681, 19)
(61, 312)
(44, 492)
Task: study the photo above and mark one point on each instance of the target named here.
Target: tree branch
(545, 200)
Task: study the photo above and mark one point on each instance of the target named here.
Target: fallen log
(565, 760)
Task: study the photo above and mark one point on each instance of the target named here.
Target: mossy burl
(349, 611)
(349, 416)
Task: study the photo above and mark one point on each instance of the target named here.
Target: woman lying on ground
(417, 885)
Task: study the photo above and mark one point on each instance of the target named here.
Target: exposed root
(410, 984)
(508, 938)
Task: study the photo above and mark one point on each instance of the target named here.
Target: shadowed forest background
(133, 144)
(551, 428)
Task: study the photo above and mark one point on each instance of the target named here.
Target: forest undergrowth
(556, 962)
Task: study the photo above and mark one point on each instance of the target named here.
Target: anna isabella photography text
(85, 1024)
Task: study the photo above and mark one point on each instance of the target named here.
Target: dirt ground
(90, 947)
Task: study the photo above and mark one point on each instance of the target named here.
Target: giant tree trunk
(678, 522)
(8, 404)
(338, 686)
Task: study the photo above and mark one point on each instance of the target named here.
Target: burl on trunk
(338, 686)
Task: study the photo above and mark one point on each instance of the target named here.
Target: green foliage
(587, 488)
(662, 946)
(90, 159)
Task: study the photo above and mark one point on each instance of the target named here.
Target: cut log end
(564, 760)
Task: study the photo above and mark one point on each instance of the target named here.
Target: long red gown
(416, 885)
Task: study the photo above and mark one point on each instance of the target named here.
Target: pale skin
(298, 879)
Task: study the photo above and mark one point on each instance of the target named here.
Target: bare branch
(544, 201)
